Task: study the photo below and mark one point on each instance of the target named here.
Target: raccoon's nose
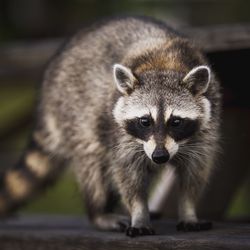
(160, 155)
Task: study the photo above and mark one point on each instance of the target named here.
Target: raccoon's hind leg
(99, 199)
(35, 171)
(101, 211)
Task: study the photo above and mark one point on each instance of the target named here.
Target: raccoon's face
(162, 110)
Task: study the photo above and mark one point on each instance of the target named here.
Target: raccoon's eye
(145, 122)
(176, 122)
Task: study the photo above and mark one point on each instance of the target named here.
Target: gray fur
(76, 122)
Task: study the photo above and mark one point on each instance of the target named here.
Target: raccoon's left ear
(197, 80)
(124, 79)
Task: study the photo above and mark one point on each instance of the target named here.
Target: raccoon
(122, 100)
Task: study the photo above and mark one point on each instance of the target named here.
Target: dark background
(26, 24)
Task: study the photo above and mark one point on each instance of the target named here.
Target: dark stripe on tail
(35, 171)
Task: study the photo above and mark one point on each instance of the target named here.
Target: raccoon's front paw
(134, 231)
(194, 226)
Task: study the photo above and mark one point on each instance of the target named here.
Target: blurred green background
(26, 21)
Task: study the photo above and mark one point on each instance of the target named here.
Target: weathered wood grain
(220, 37)
(23, 58)
(73, 233)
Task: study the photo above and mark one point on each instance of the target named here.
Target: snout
(160, 155)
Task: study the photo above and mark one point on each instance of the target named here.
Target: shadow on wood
(72, 233)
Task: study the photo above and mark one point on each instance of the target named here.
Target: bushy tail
(35, 171)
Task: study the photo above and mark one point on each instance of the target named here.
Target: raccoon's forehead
(126, 109)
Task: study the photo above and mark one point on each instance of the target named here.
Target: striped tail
(35, 171)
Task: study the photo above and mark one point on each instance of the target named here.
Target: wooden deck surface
(73, 233)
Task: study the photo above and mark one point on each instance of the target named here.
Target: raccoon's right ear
(124, 79)
(198, 79)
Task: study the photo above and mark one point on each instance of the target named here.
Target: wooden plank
(220, 37)
(71, 233)
(26, 58)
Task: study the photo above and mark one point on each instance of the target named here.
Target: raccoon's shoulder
(169, 53)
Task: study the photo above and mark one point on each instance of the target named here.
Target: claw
(133, 231)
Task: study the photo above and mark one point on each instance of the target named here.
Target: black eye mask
(182, 128)
(141, 128)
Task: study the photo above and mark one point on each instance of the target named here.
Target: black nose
(160, 155)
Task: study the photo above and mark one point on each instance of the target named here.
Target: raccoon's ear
(197, 80)
(124, 79)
